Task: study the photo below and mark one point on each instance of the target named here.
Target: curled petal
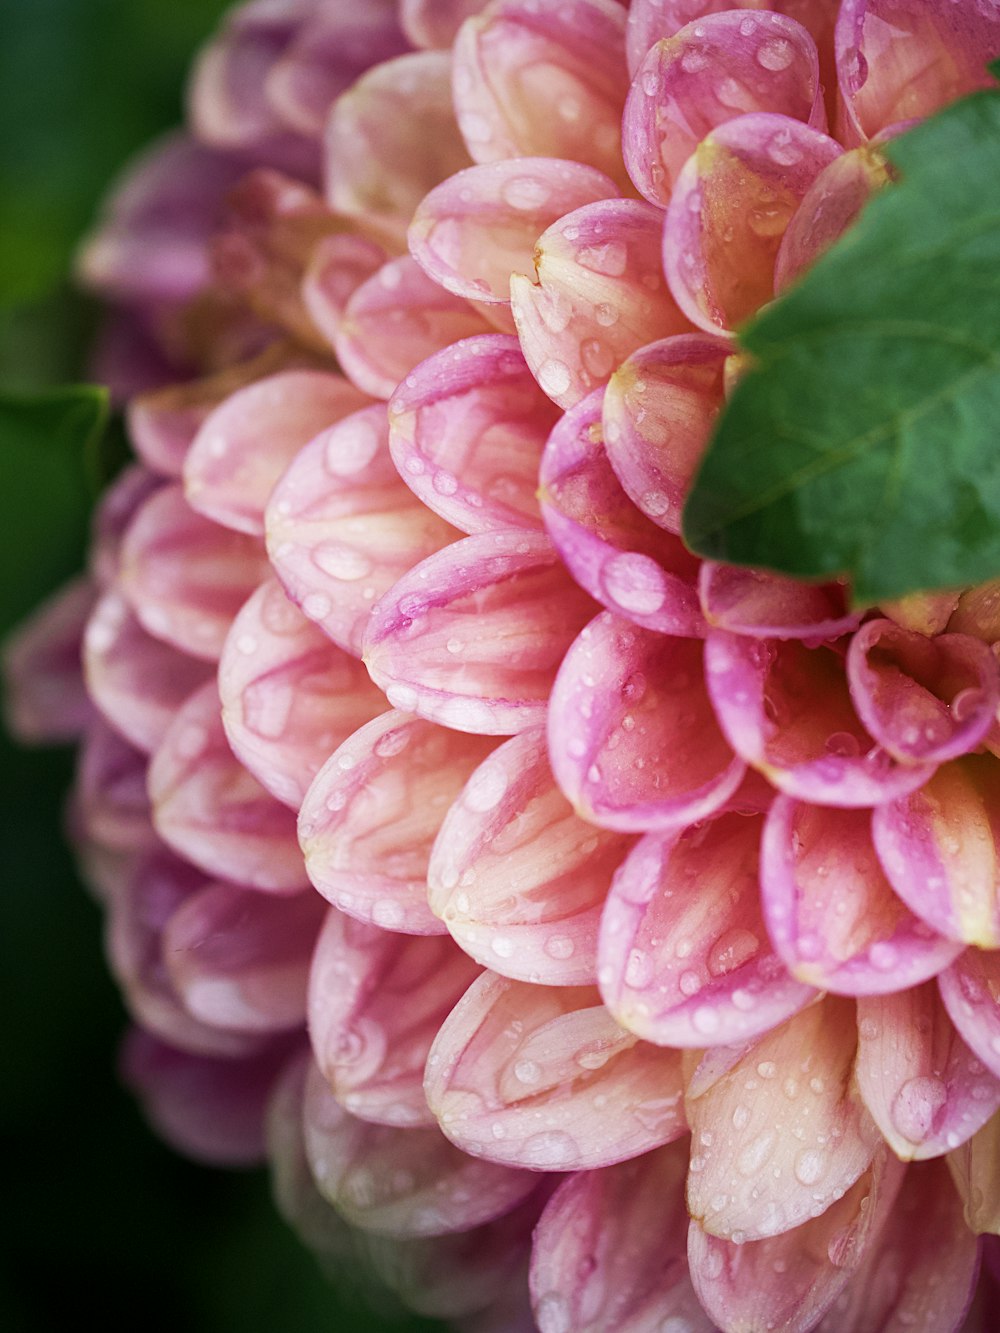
(289, 696)
(770, 606)
(597, 294)
(925, 1089)
(369, 819)
(978, 613)
(783, 1113)
(112, 516)
(611, 549)
(434, 23)
(516, 876)
(785, 709)
(376, 1001)
(466, 431)
(337, 267)
(543, 1077)
(684, 968)
(970, 989)
(45, 699)
(729, 210)
(110, 802)
(472, 636)
(632, 736)
(212, 811)
(975, 1169)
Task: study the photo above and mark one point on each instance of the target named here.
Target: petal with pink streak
(396, 319)
(543, 82)
(466, 431)
(289, 695)
(693, 969)
(769, 606)
(480, 226)
(596, 295)
(211, 810)
(632, 736)
(342, 527)
(970, 989)
(402, 1182)
(186, 577)
(975, 1170)
(112, 516)
(659, 409)
(240, 959)
(785, 708)
(110, 805)
(391, 138)
(45, 701)
(543, 1077)
(721, 66)
(376, 1001)
(926, 1090)
(608, 1252)
(783, 1113)
(731, 205)
(611, 549)
(519, 879)
(938, 847)
(337, 266)
(472, 637)
(371, 815)
(978, 612)
(433, 24)
(830, 910)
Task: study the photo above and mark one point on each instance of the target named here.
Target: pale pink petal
(683, 968)
(402, 1182)
(632, 736)
(970, 989)
(925, 1089)
(289, 695)
(342, 527)
(185, 576)
(830, 911)
(729, 210)
(480, 226)
(975, 1170)
(434, 23)
(466, 431)
(938, 847)
(112, 515)
(45, 701)
(784, 1115)
(597, 293)
(785, 708)
(370, 817)
(659, 409)
(543, 1077)
(376, 1001)
(472, 637)
(110, 805)
(212, 811)
(337, 267)
(978, 613)
(721, 66)
(770, 606)
(608, 1252)
(516, 876)
(612, 550)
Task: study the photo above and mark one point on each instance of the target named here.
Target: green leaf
(865, 440)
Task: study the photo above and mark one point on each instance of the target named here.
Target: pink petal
(289, 696)
(434, 23)
(502, 609)
(608, 1252)
(785, 709)
(765, 605)
(784, 1114)
(547, 82)
(338, 265)
(978, 613)
(542, 1077)
(596, 295)
(110, 803)
(694, 969)
(516, 876)
(342, 527)
(212, 811)
(722, 66)
(611, 549)
(659, 409)
(831, 913)
(741, 188)
(970, 989)
(112, 516)
(376, 1001)
(185, 576)
(938, 847)
(632, 736)
(45, 701)
(925, 1089)
(466, 431)
(975, 1171)
(480, 226)
(370, 817)
(402, 1182)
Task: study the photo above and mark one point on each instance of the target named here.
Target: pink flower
(662, 894)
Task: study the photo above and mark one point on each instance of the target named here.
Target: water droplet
(554, 378)
(559, 946)
(916, 1105)
(705, 1020)
(486, 788)
(810, 1166)
(525, 193)
(350, 447)
(639, 969)
(775, 54)
(341, 562)
(502, 946)
(527, 1071)
(635, 583)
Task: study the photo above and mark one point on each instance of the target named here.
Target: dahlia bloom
(641, 912)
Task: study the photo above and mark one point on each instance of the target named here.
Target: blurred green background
(101, 1221)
